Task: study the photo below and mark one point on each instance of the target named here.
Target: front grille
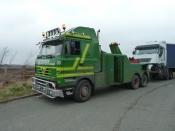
(43, 83)
(44, 71)
(47, 88)
(144, 60)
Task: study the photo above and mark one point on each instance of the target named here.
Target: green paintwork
(103, 69)
(114, 48)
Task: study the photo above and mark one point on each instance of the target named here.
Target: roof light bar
(52, 32)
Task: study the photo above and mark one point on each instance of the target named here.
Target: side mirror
(161, 52)
(134, 52)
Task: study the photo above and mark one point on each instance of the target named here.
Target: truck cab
(154, 55)
(151, 54)
(63, 59)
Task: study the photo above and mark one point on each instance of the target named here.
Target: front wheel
(135, 83)
(83, 91)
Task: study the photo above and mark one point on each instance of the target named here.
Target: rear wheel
(166, 74)
(144, 80)
(171, 74)
(83, 91)
(135, 82)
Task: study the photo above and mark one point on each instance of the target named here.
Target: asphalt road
(115, 109)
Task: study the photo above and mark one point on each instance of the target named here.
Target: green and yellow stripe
(74, 74)
(84, 53)
(74, 67)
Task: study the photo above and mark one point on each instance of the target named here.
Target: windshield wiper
(49, 56)
(45, 56)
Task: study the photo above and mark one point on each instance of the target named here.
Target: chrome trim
(53, 84)
(44, 89)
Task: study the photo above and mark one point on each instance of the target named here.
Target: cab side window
(161, 51)
(72, 48)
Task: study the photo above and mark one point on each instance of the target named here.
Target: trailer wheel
(135, 82)
(171, 74)
(144, 80)
(83, 91)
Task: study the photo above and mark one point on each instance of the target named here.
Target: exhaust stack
(98, 34)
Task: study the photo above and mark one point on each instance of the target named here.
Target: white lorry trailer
(160, 58)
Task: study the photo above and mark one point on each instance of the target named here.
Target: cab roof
(77, 32)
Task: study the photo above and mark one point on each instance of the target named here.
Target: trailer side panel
(171, 55)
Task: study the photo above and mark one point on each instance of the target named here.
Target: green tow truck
(71, 63)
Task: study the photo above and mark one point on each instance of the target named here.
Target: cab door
(71, 58)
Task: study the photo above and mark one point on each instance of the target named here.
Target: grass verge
(16, 90)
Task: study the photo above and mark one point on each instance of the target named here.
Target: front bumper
(47, 88)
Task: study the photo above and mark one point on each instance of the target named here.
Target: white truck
(160, 58)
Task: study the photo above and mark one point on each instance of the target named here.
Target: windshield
(147, 51)
(51, 49)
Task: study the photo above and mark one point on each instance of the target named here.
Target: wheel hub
(84, 91)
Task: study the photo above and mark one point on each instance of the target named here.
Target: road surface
(116, 109)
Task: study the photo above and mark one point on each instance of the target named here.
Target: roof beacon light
(44, 34)
(64, 27)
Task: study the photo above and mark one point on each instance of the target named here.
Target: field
(15, 81)
(16, 89)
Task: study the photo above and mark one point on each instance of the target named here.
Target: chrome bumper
(47, 88)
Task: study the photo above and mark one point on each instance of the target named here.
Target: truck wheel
(83, 91)
(144, 80)
(166, 74)
(161, 74)
(167, 77)
(135, 82)
(171, 74)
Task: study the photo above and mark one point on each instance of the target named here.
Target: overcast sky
(129, 22)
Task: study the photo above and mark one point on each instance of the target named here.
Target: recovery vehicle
(72, 63)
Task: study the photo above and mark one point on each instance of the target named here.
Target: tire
(144, 80)
(166, 75)
(161, 75)
(135, 83)
(170, 74)
(83, 91)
